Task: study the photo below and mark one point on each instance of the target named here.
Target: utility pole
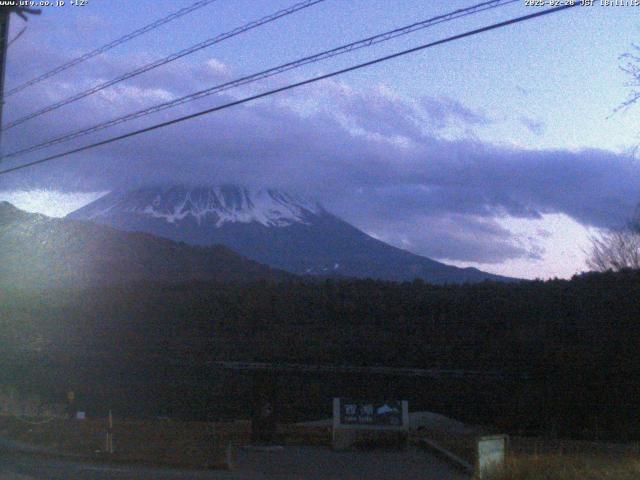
(5, 15)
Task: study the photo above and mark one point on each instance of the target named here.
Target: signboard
(351, 418)
(370, 414)
(383, 418)
(492, 451)
(355, 412)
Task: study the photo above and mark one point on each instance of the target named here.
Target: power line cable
(367, 42)
(18, 35)
(163, 61)
(292, 86)
(109, 46)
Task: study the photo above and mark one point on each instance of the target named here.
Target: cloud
(447, 111)
(537, 127)
(217, 67)
(372, 156)
(470, 238)
(50, 203)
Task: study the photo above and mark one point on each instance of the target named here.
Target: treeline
(573, 344)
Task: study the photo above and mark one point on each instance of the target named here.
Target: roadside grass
(156, 442)
(538, 458)
(570, 467)
(13, 402)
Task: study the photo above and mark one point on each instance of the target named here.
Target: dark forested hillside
(574, 342)
(36, 250)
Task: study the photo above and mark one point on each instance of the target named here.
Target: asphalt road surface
(287, 464)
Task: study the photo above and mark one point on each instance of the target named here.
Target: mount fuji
(270, 226)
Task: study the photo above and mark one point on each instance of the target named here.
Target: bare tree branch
(631, 66)
(618, 249)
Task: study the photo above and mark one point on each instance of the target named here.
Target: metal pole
(5, 15)
(110, 434)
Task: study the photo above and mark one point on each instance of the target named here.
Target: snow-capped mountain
(270, 226)
(219, 205)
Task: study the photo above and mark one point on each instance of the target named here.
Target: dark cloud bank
(375, 159)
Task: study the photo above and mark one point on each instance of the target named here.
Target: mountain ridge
(41, 251)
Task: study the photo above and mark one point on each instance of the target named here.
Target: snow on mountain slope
(220, 204)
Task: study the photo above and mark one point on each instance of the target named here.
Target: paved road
(291, 463)
(27, 467)
(325, 464)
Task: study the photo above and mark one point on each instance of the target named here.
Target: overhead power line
(350, 47)
(163, 61)
(109, 46)
(292, 86)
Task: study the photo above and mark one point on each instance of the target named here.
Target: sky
(502, 151)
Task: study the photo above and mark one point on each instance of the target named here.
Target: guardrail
(436, 373)
(473, 452)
